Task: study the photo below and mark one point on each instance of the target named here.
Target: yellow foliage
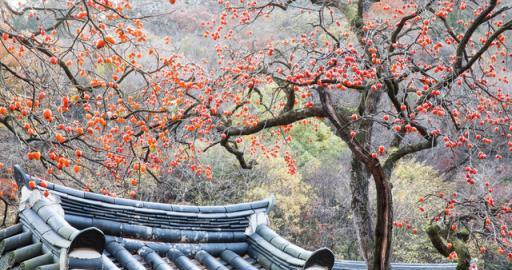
(289, 191)
(412, 180)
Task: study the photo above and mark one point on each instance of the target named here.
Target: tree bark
(361, 215)
(458, 241)
(359, 180)
(384, 225)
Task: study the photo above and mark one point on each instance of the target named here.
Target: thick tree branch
(482, 17)
(395, 156)
(233, 149)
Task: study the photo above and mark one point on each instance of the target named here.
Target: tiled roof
(73, 229)
(76, 229)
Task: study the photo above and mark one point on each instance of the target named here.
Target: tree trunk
(384, 225)
(359, 180)
(359, 205)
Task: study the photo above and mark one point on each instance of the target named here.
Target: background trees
(98, 99)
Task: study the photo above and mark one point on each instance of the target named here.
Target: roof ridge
(272, 250)
(23, 178)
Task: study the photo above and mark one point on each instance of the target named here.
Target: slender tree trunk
(359, 180)
(384, 225)
(359, 205)
(375, 245)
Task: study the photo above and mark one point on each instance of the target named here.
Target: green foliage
(315, 145)
(350, 11)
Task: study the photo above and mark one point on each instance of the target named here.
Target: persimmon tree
(392, 79)
(83, 88)
(89, 94)
(473, 221)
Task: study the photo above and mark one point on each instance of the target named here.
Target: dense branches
(90, 93)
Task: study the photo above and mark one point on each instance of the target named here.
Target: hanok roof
(73, 229)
